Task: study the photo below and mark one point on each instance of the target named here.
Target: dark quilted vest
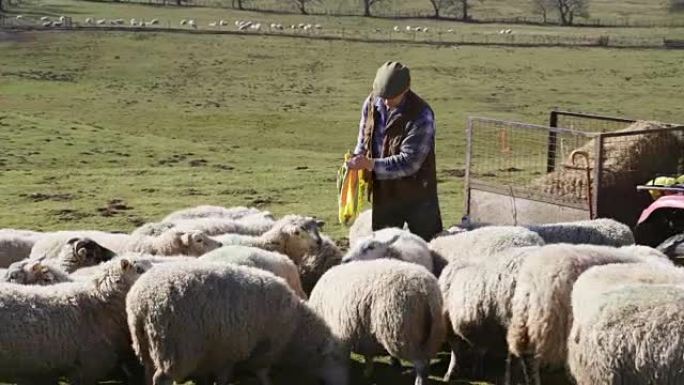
(418, 187)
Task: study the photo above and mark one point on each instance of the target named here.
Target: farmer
(397, 143)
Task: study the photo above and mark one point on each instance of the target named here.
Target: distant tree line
(564, 12)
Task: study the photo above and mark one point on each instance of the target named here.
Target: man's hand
(359, 162)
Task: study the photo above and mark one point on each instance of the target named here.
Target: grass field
(110, 130)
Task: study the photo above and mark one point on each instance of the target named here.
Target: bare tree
(367, 4)
(1, 6)
(676, 5)
(543, 8)
(568, 9)
(463, 7)
(443, 5)
(239, 4)
(301, 5)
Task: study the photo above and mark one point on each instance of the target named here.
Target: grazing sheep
(223, 23)
(31, 272)
(79, 252)
(174, 242)
(183, 22)
(272, 323)
(383, 306)
(361, 228)
(206, 211)
(392, 243)
(101, 21)
(292, 235)
(192, 23)
(276, 263)
(541, 311)
(477, 303)
(76, 330)
(627, 320)
(16, 245)
(480, 243)
(249, 225)
(314, 264)
(89, 20)
(607, 232)
(44, 18)
(154, 21)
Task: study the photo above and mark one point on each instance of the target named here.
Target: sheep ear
(320, 223)
(36, 267)
(392, 240)
(125, 264)
(72, 241)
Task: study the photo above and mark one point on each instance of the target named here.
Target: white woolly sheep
(480, 243)
(206, 211)
(33, 272)
(50, 244)
(144, 260)
(76, 330)
(627, 320)
(541, 311)
(361, 228)
(174, 242)
(248, 225)
(276, 263)
(383, 306)
(392, 243)
(292, 235)
(606, 232)
(16, 245)
(272, 323)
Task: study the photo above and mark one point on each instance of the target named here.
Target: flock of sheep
(210, 293)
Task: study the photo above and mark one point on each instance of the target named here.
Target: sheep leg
(507, 373)
(422, 371)
(453, 367)
(368, 371)
(478, 365)
(161, 378)
(531, 369)
(263, 377)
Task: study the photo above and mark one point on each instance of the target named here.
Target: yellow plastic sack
(352, 188)
(661, 181)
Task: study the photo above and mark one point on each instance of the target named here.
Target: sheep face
(85, 252)
(299, 235)
(371, 248)
(195, 242)
(30, 273)
(121, 274)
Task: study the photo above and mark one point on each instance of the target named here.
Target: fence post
(552, 144)
(598, 173)
(468, 160)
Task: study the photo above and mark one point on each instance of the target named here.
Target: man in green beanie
(396, 143)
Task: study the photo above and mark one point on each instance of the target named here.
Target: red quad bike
(661, 224)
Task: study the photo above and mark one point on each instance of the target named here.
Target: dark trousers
(422, 217)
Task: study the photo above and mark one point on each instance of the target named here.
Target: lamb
(31, 272)
(604, 231)
(276, 263)
(272, 324)
(477, 303)
(78, 252)
(292, 235)
(16, 245)
(383, 306)
(361, 228)
(483, 242)
(249, 225)
(87, 332)
(541, 310)
(635, 311)
(314, 264)
(392, 243)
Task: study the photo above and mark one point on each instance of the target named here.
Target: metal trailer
(580, 166)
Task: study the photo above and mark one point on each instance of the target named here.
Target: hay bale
(628, 160)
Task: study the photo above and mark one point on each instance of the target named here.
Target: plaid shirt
(415, 147)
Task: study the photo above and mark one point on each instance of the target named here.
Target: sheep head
(85, 252)
(194, 242)
(296, 235)
(372, 248)
(30, 272)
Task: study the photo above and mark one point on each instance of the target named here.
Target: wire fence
(591, 170)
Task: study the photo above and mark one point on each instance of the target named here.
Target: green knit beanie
(391, 79)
